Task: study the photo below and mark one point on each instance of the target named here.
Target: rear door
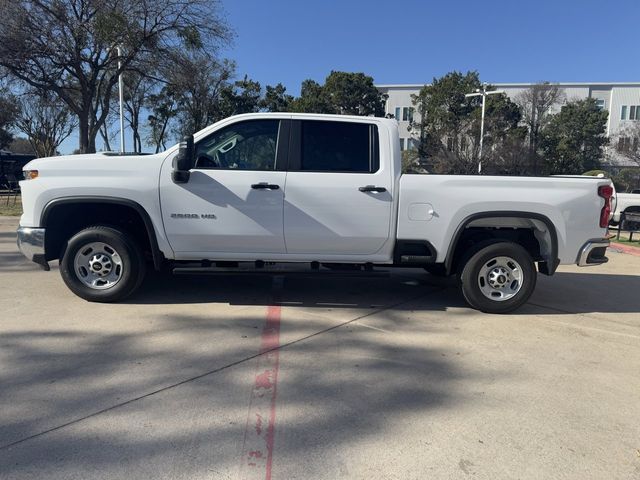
(233, 201)
(338, 197)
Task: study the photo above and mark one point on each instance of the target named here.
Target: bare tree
(8, 113)
(68, 47)
(163, 110)
(197, 82)
(46, 121)
(536, 105)
(137, 90)
(105, 129)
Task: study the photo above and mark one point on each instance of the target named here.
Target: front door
(233, 201)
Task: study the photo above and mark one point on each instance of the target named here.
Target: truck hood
(97, 164)
(83, 159)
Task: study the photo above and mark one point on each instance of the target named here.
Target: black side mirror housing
(183, 161)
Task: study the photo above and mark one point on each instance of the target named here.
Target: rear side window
(339, 147)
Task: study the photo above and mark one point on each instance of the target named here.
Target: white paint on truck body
(313, 216)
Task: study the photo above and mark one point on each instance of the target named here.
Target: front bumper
(593, 253)
(31, 244)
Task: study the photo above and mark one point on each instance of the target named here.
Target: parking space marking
(259, 434)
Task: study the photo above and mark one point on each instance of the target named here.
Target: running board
(299, 273)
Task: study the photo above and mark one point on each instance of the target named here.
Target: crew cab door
(339, 195)
(233, 200)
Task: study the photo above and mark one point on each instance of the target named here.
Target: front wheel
(102, 264)
(498, 278)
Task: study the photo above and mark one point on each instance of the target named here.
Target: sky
(414, 41)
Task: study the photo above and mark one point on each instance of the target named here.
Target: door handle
(372, 188)
(265, 186)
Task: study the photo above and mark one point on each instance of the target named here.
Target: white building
(622, 100)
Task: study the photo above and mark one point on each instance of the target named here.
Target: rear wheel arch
(488, 227)
(76, 213)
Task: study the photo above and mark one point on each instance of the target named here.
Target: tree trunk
(104, 133)
(83, 128)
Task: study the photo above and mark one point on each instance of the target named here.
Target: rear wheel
(102, 264)
(498, 278)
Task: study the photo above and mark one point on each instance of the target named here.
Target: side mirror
(183, 161)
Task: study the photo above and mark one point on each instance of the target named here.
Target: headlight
(30, 174)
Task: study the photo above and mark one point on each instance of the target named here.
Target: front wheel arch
(70, 215)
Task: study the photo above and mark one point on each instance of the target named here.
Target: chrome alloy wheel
(98, 265)
(500, 278)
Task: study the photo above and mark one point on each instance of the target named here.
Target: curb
(628, 249)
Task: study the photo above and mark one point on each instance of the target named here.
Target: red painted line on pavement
(628, 249)
(259, 435)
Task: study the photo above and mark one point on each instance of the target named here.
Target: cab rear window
(339, 147)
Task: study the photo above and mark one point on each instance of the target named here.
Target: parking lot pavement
(318, 377)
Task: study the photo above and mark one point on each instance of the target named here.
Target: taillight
(606, 192)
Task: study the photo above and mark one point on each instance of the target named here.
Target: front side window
(623, 113)
(249, 145)
(339, 147)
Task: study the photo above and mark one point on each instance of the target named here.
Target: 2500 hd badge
(206, 216)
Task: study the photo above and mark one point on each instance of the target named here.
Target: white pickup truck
(319, 189)
(626, 202)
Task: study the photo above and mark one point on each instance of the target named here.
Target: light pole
(121, 95)
(483, 93)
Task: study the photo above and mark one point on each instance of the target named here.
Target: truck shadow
(310, 291)
(570, 292)
(564, 293)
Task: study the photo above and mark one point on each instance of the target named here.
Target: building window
(628, 144)
(402, 144)
(622, 143)
(398, 110)
(407, 114)
(623, 113)
(600, 103)
(634, 112)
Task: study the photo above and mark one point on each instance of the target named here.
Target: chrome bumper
(593, 253)
(31, 244)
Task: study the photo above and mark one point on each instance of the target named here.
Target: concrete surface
(309, 377)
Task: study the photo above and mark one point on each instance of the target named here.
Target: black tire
(471, 283)
(437, 270)
(131, 264)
